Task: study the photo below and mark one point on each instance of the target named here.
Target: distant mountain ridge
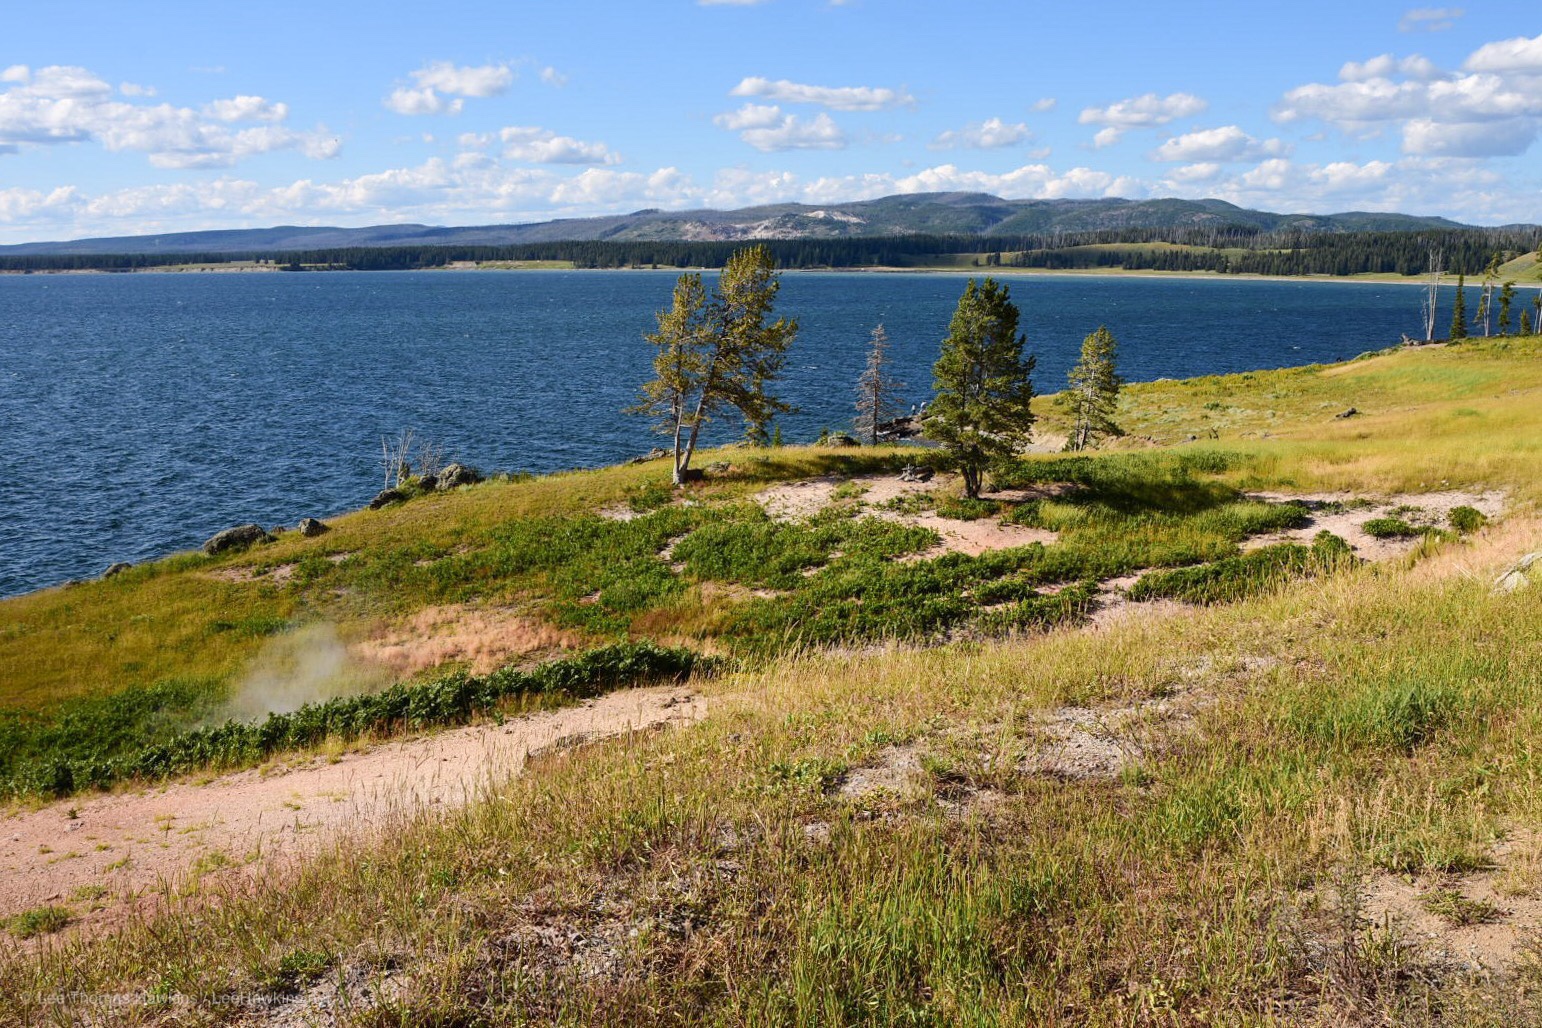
(968, 214)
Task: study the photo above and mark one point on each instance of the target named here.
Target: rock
(117, 569)
(238, 538)
(837, 439)
(311, 527)
(657, 453)
(428, 483)
(1521, 574)
(457, 475)
(1351, 412)
(387, 496)
(718, 467)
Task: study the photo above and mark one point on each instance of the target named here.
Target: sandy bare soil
(1418, 509)
(796, 500)
(116, 851)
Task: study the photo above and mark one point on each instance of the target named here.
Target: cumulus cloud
(768, 129)
(441, 86)
(61, 104)
(990, 134)
(1227, 144)
(839, 98)
(1520, 55)
(541, 146)
(1139, 112)
(1383, 65)
(1044, 104)
(1492, 108)
(1429, 19)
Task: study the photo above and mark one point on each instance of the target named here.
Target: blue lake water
(139, 414)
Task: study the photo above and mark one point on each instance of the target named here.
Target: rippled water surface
(139, 414)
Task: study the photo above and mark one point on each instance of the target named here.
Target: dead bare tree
(876, 391)
(1432, 290)
(396, 456)
(1486, 298)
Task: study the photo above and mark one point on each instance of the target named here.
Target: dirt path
(101, 855)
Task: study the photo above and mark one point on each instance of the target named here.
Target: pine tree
(1459, 310)
(717, 353)
(876, 392)
(1506, 298)
(1094, 393)
(981, 412)
(1525, 322)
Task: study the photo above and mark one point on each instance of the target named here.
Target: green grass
(39, 921)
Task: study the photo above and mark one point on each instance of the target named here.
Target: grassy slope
(1383, 720)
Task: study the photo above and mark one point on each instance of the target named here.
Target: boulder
(1524, 573)
(387, 496)
(837, 439)
(456, 475)
(657, 453)
(1351, 412)
(238, 538)
(428, 483)
(117, 569)
(718, 467)
(311, 527)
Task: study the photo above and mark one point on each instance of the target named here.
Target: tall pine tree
(981, 413)
(1093, 395)
(1459, 310)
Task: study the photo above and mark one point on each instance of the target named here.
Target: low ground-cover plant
(39, 921)
(451, 699)
(1391, 528)
(1234, 578)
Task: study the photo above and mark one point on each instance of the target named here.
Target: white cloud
(1505, 138)
(1226, 144)
(58, 104)
(447, 77)
(990, 134)
(135, 89)
(421, 101)
(1494, 108)
(1429, 19)
(442, 85)
(246, 108)
(750, 116)
(1139, 112)
(1383, 65)
(839, 98)
(1206, 171)
(542, 146)
(1520, 55)
(552, 77)
(1044, 104)
(768, 129)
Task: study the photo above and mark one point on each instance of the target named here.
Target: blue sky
(123, 118)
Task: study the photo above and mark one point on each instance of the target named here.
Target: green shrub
(1467, 519)
(1390, 528)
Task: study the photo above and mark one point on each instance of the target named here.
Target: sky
(126, 119)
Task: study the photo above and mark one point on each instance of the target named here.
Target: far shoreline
(244, 268)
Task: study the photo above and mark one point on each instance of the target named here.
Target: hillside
(973, 214)
(1132, 742)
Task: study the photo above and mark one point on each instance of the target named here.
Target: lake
(139, 414)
